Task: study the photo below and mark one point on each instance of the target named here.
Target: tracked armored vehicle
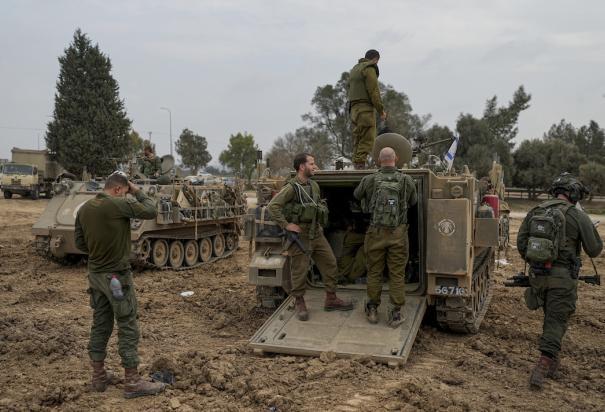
(195, 224)
(451, 247)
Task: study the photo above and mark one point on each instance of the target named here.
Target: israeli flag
(451, 153)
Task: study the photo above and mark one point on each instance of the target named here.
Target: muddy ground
(45, 320)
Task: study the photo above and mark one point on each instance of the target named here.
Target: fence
(522, 193)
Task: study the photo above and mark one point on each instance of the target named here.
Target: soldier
(103, 232)
(364, 99)
(549, 240)
(150, 165)
(352, 263)
(386, 195)
(298, 208)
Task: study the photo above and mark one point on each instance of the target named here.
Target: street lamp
(170, 119)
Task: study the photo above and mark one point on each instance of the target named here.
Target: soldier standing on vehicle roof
(386, 195)
(103, 232)
(364, 99)
(150, 165)
(549, 240)
(298, 208)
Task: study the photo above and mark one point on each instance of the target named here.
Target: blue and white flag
(451, 153)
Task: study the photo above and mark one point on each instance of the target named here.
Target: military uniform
(386, 245)
(555, 290)
(288, 206)
(103, 232)
(150, 166)
(352, 263)
(364, 98)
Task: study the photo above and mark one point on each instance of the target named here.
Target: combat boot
(332, 302)
(554, 368)
(135, 386)
(540, 371)
(101, 378)
(372, 314)
(301, 309)
(396, 318)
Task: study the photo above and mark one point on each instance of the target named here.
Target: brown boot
(101, 378)
(554, 368)
(301, 309)
(135, 386)
(372, 314)
(332, 302)
(395, 318)
(536, 379)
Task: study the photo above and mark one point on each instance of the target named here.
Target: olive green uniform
(384, 245)
(150, 166)
(556, 290)
(352, 263)
(103, 232)
(364, 97)
(286, 207)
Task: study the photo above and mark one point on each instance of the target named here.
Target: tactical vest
(388, 204)
(546, 235)
(306, 208)
(357, 84)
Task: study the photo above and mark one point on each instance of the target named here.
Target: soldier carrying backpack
(386, 195)
(549, 240)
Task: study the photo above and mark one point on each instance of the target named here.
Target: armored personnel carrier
(450, 267)
(195, 224)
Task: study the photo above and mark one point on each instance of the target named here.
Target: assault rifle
(522, 280)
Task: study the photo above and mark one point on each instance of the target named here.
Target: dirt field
(45, 319)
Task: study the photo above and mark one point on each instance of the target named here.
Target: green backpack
(546, 232)
(386, 208)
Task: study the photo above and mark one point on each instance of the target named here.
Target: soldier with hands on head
(365, 101)
(298, 208)
(550, 239)
(386, 195)
(102, 231)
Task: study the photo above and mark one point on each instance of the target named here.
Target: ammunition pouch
(308, 213)
(322, 213)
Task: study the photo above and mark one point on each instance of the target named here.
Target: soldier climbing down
(549, 240)
(386, 195)
(364, 100)
(298, 208)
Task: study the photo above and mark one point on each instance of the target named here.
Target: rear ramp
(344, 333)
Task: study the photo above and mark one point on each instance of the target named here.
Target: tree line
(91, 131)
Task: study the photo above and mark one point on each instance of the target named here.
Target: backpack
(546, 233)
(387, 206)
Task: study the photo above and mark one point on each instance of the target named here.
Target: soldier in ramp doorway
(387, 195)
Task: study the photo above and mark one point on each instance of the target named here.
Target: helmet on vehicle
(569, 186)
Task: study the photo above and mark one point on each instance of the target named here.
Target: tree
(592, 174)
(240, 155)
(136, 144)
(193, 150)
(89, 127)
(502, 121)
(304, 139)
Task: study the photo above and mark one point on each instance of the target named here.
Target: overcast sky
(229, 66)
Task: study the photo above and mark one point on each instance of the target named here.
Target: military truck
(30, 173)
(195, 224)
(450, 267)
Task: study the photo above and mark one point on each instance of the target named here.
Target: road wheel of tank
(231, 241)
(34, 194)
(8, 195)
(218, 245)
(145, 249)
(159, 252)
(205, 249)
(176, 254)
(191, 253)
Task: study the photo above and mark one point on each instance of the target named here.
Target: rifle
(292, 237)
(521, 280)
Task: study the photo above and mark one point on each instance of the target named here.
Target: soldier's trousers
(352, 263)
(106, 310)
(364, 131)
(556, 294)
(387, 247)
(322, 255)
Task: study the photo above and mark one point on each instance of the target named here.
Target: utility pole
(170, 120)
(149, 136)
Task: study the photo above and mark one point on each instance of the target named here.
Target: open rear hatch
(344, 333)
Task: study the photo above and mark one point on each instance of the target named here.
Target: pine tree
(89, 127)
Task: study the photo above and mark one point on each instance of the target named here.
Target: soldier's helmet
(569, 186)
